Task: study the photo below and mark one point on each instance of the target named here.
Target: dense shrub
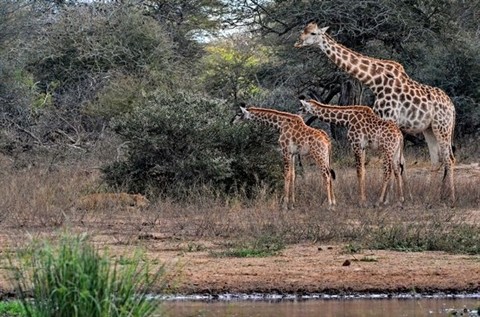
(183, 141)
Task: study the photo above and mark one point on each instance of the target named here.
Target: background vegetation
(147, 88)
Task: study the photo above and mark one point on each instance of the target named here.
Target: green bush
(185, 141)
(73, 279)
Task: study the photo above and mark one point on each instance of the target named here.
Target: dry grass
(40, 198)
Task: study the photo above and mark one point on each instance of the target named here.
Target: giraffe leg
(292, 182)
(327, 176)
(329, 187)
(444, 137)
(360, 165)
(448, 162)
(399, 178)
(286, 182)
(433, 148)
(288, 172)
(387, 174)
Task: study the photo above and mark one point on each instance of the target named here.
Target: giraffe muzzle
(298, 44)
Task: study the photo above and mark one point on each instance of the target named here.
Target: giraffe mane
(276, 112)
(384, 61)
(353, 107)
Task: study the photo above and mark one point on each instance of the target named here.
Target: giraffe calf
(295, 138)
(366, 129)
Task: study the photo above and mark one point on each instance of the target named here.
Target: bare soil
(303, 268)
(312, 268)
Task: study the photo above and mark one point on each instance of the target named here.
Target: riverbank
(300, 269)
(238, 246)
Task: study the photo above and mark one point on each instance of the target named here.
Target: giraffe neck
(272, 118)
(336, 114)
(374, 73)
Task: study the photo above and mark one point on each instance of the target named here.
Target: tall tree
(436, 41)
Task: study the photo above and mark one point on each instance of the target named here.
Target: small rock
(346, 263)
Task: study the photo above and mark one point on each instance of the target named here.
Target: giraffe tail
(452, 158)
(332, 172)
(452, 147)
(402, 161)
(452, 153)
(400, 157)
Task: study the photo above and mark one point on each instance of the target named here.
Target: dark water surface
(346, 307)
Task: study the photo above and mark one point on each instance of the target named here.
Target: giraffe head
(305, 107)
(242, 115)
(310, 35)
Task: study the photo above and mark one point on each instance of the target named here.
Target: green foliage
(231, 67)
(67, 67)
(73, 279)
(184, 141)
(88, 41)
(118, 97)
(12, 308)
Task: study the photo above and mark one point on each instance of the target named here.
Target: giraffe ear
(324, 29)
(244, 110)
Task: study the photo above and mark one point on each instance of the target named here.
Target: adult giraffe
(415, 107)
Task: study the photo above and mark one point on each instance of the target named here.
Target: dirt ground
(311, 268)
(298, 269)
(307, 269)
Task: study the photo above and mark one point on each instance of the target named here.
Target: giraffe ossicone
(415, 107)
(295, 138)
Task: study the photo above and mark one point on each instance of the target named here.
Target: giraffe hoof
(380, 203)
(399, 205)
(286, 206)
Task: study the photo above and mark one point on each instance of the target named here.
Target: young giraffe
(295, 138)
(366, 129)
(416, 108)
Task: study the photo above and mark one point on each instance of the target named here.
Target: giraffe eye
(313, 33)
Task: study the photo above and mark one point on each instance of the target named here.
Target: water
(338, 306)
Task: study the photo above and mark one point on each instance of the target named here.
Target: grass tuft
(454, 238)
(71, 278)
(263, 246)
